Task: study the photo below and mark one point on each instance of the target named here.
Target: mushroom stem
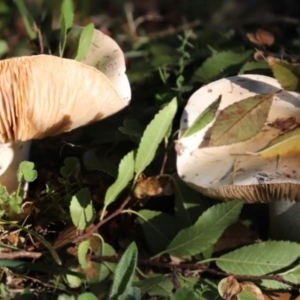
(285, 220)
(11, 155)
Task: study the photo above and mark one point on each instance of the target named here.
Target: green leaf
(159, 229)
(204, 118)
(26, 171)
(125, 174)
(103, 269)
(215, 65)
(133, 128)
(82, 251)
(87, 296)
(241, 120)
(73, 281)
(153, 136)
(184, 293)
(27, 18)
(15, 203)
(85, 41)
(134, 294)
(245, 295)
(3, 47)
(260, 259)
(288, 75)
(65, 22)
(81, 209)
(65, 297)
(71, 167)
(156, 285)
(124, 273)
(189, 204)
(99, 162)
(206, 231)
(253, 65)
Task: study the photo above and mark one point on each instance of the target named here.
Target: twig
(100, 223)
(200, 267)
(18, 254)
(172, 30)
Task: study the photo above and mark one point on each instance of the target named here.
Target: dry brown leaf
(261, 37)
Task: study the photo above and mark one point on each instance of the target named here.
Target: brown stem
(18, 254)
(200, 267)
(102, 222)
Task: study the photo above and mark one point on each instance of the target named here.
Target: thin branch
(18, 254)
(100, 223)
(199, 267)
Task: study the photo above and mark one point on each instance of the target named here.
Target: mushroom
(226, 172)
(105, 55)
(44, 96)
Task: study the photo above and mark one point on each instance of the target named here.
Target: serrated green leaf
(189, 204)
(288, 75)
(82, 251)
(253, 65)
(124, 273)
(241, 120)
(71, 167)
(81, 209)
(153, 136)
(125, 174)
(260, 259)
(65, 22)
(27, 18)
(85, 41)
(204, 118)
(159, 229)
(215, 65)
(206, 231)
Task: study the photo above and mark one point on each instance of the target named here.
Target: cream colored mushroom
(225, 172)
(105, 55)
(44, 96)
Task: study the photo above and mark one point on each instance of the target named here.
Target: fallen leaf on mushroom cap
(105, 55)
(287, 74)
(226, 172)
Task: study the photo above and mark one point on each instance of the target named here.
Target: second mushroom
(225, 172)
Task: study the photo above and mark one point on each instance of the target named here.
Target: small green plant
(12, 203)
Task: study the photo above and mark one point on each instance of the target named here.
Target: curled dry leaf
(261, 37)
(253, 289)
(229, 287)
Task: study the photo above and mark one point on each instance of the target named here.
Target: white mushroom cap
(105, 55)
(45, 95)
(226, 172)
